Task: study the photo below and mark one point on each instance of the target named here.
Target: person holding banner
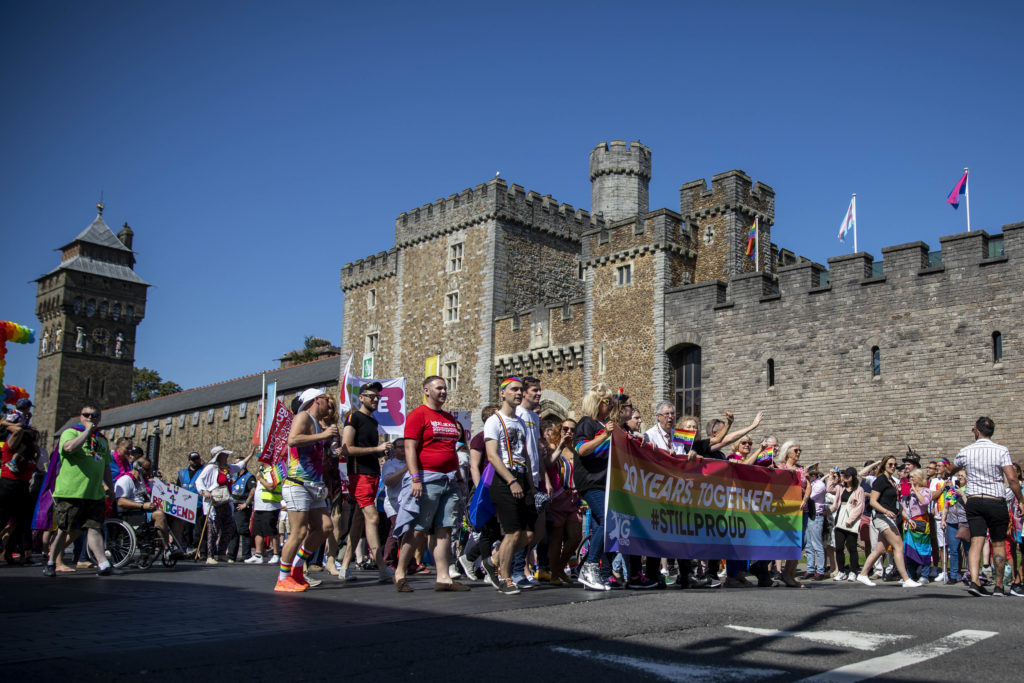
(590, 470)
(304, 492)
(133, 503)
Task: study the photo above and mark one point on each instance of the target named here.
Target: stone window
(115, 312)
(451, 307)
(209, 416)
(580, 275)
(451, 376)
(181, 421)
(876, 362)
(455, 257)
(372, 340)
(129, 313)
(371, 299)
(225, 414)
(195, 418)
(77, 307)
(242, 408)
(686, 369)
(103, 388)
(104, 306)
(997, 347)
(771, 372)
(88, 386)
(600, 359)
(709, 235)
(624, 275)
(90, 307)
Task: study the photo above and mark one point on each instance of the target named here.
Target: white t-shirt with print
(518, 458)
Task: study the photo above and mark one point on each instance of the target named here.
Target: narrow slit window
(771, 372)
(997, 347)
(876, 361)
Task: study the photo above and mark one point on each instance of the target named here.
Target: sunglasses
(91, 416)
(371, 396)
(566, 429)
(797, 450)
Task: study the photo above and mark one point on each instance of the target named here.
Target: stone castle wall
(933, 327)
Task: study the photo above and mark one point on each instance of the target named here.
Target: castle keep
(854, 361)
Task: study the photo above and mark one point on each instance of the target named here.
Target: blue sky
(256, 147)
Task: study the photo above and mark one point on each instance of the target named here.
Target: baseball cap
(308, 396)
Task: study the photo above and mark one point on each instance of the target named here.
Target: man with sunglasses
(83, 482)
(361, 438)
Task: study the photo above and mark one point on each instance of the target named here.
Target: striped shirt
(983, 462)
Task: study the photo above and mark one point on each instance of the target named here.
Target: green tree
(310, 346)
(148, 384)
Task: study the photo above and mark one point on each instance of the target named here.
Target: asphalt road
(225, 622)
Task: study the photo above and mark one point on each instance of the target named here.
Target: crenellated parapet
(966, 259)
(494, 200)
(370, 269)
(729, 191)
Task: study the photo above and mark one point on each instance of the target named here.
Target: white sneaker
(274, 559)
(924, 580)
(255, 559)
(865, 580)
(851, 576)
(910, 583)
(841, 576)
(941, 578)
(453, 571)
(590, 577)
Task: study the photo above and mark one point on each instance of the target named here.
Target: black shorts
(514, 514)
(264, 523)
(988, 514)
(71, 514)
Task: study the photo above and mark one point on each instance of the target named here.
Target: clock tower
(88, 307)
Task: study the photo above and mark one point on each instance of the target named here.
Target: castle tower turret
(620, 174)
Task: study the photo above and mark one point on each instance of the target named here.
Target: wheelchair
(127, 542)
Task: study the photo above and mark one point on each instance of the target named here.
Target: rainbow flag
(960, 189)
(751, 238)
(766, 458)
(683, 438)
(660, 507)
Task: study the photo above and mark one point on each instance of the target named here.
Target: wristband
(417, 477)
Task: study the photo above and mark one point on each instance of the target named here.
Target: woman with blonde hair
(791, 461)
(590, 466)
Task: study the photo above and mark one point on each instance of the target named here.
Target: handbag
(317, 489)
(220, 495)
(963, 532)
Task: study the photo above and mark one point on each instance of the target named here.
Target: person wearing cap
(361, 438)
(304, 492)
(214, 484)
(186, 479)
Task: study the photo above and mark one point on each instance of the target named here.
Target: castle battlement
(494, 200)
(381, 265)
(966, 258)
(732, 190)
(620, 158)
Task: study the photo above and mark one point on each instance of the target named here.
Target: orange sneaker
(289, 585)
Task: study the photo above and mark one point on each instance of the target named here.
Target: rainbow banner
(662, 506)
(683, 438)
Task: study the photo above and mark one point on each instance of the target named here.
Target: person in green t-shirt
(83, 482)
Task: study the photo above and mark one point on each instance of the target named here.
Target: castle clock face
(100, 335)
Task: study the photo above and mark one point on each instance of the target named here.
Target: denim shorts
(439, 506)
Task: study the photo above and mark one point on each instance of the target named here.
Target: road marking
(858, 640)
(675, 671)
(878, 666)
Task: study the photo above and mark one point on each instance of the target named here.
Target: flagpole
(854, 201)
(967, 198)
(262, 407)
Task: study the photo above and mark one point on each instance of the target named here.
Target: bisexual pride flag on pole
(959, 190)
(661, 507)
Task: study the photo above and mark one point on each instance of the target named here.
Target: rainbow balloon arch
(19, 334)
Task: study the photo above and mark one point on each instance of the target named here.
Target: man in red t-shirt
(430, 438)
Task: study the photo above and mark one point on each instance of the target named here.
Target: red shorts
(364, 489)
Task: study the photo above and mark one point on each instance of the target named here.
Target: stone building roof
(98, 232)
(315, 373)
(93, 266)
